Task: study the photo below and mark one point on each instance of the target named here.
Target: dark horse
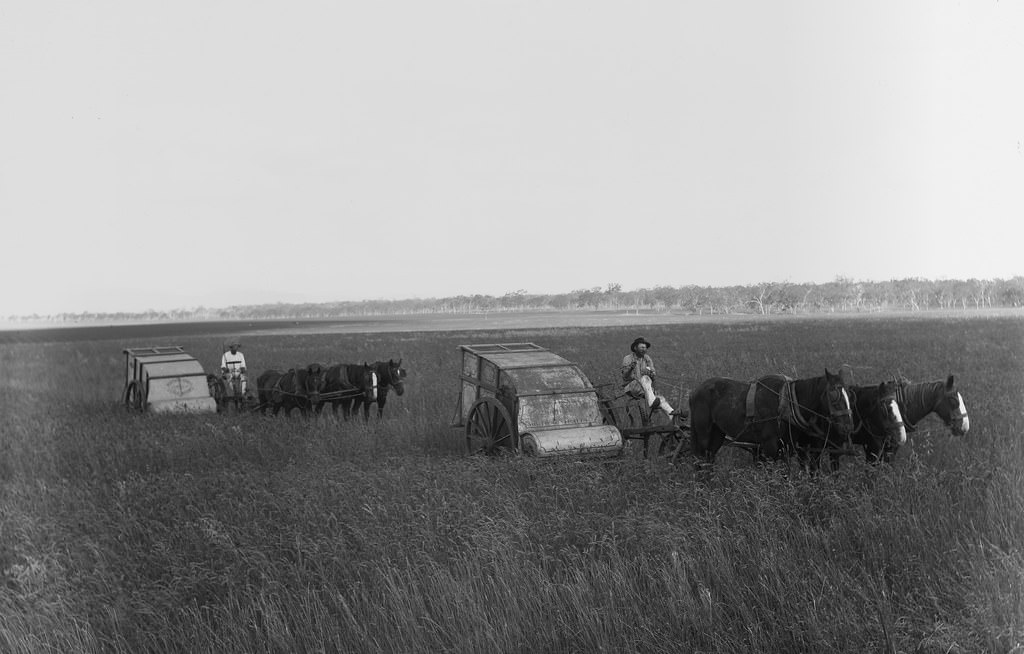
(299, 388)
(916, 401)
(390, 374)
(877, 420)
(226, 390)
(770, 415)
(346, 383)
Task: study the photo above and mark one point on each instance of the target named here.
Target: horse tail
(701, 402)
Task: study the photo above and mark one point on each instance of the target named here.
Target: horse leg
(715, 443)
(704, 446)
(799, 444)
(318, 408)
(769, 449)
(803, 458)
(700, 433)
(812, 460)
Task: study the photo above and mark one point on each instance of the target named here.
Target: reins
(340, 395)
(806, 426)
(800, 422)
(276, 388)
(351, 389)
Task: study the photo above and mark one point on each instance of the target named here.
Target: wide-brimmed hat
(638, 341)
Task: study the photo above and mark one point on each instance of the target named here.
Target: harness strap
(903, 400)
(751, 393)
(792, 412)
(789, 409)
(277, 392)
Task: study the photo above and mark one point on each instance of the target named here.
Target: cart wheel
(683, 442)
(133, 396)
(652, 447)
(665, 447)
(489, 428)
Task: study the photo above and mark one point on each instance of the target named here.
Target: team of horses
(817, 418)
(345, 386)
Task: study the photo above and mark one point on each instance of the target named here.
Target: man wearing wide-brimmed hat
(233, 362)
(638, 376)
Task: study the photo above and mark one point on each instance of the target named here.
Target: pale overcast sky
(177, 154)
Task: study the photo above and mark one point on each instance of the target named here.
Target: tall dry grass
(240, 533)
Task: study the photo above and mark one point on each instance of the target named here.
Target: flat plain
(243, 533)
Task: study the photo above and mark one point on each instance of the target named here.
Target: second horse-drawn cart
(165, 378)
(523, 398)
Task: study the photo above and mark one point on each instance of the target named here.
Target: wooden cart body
(521, 397)
(165, 379)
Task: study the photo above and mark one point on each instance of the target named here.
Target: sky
(161, 155)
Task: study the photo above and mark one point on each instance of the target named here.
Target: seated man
(638, 377)
(232, 363)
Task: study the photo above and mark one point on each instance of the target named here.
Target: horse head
(952, 409)
(840, 415)
(396, 376)
(888, 408)
(313, 382)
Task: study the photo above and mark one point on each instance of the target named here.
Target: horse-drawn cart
(523, 398)
(164, 379)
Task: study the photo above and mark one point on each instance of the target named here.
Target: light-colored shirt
(644, 366)
(232, 361)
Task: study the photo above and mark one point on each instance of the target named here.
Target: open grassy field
(242, 533)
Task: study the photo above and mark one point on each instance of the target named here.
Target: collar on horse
(903, 399)
(390, 377)
(790, 409)
(881, 405)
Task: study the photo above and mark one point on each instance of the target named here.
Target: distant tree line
(769, 298)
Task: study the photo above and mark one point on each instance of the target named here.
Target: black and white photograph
(505, 326)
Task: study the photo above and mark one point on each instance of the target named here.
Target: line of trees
(769, 298)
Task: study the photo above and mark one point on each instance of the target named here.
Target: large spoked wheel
(133, 396)
(490, 430)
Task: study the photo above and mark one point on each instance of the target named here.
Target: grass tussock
(244, 533)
